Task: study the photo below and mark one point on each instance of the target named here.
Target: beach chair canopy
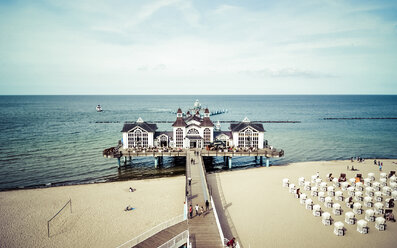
(326, 216)
(328, 199)
(303, 196)
(336, 206)
(357, 205)
(378, 193)
(371, 175)
(316, 207)
(393, 179)
(335, 180)
(349, 215)
(331, 188)
(301, 179)
(376, 184)
(383, 180)
(369, 212)
(369, 189)
(352, 180)
(309, 201)
(367, 199)
(362, 223)
(378, 205)
(394, 194)
(314, 189)
(285, 180)
(393, 185)
(321, 194)
(344, 184)
(318, 181)
(338, 193)
(383, 175)
(380, 220)
(359, 194)
(323, 184)
(339, 225)
(386, 189)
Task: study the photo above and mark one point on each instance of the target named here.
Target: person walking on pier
(191, 211)
(197, 209)
(202, 211)
(207, 204)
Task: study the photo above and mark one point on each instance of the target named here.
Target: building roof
(157, 134)
(228, 133)
(241, 125)
(206, 111)
(179, 111)
(193, 117)
(150, 127)
(206, 122)
(179, 122)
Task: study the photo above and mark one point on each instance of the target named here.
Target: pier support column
(119, 162)
(261, 160)
(230, 162)
(267, 162)
(256, 158)
(156, 162)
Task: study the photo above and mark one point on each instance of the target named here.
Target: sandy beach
(98, 218)
(265, 214)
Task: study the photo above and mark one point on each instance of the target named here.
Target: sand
(265, 214)
(98, 218)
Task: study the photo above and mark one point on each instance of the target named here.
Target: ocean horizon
(51, 140)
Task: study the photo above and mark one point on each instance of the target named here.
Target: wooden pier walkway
(203, 229)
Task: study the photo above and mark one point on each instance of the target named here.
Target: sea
(58, 140)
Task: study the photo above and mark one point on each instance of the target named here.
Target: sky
(198, 47)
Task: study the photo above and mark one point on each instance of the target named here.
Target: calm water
(55, 140)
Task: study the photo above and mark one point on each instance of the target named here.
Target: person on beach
(131, 189)
(231, 242)
(380, 167)
(197, 209)
(202, 211)
(191, 211)
(190, 181)
(207, 205)
(374, 161)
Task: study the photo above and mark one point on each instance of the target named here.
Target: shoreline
(171, 175)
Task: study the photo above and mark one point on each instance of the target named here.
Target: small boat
(99, 108)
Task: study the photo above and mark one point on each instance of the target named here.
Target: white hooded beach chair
(309, 204)
(370, 215)
(367, 182)
(359, 196)
(314, 177)
(386, 190)
(321, 196)
(323, 186)
(362, 226)
(369, 191)
(378, 196)
(331, 191)
(350, 218)
(393, 185)
(380, 223)
(336, 182)
(357, 208)
(326, 219)
(318, 182)
(350, 191)
(337, 209)
(383, 175)
(383, 182)
(359, 186)
(317, 210)
(301, 181)
(303, 198)
(328, 202)
(307, 186)
(379, 208)
(352, 181)
(292, 188)
(339, 195)
(371, 176)
(344, 185)
(376, 186)
(389, 203)
(286, 182)
(314, 191)
(394, 195)
(339, 229)
(393, 179)
(368, 202)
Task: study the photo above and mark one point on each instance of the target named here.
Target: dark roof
(150, 127)
(206, 122)
(179, 111)
(193, 117)
(228, 133)
(206, 111)
(179, 122)
(157, 134)
(241, 125)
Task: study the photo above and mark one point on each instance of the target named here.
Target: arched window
(207, 136)
(179, 137)
(193, 131)
(248, 138)
(138, 138)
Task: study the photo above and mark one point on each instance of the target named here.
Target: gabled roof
(157, 134)
(179, 122)
(228, 133)
(193, 117)
(241, 125)
(150, 127)
(179, 111)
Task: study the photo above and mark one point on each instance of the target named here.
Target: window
(207, 136)
(248, 138)
(179, 137)
(138, 138)
(193, 131)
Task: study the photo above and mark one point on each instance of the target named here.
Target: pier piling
(230, 162)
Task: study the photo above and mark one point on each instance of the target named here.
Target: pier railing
(177, 241)
(153, 231)
(112, 153)
(260, 152)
